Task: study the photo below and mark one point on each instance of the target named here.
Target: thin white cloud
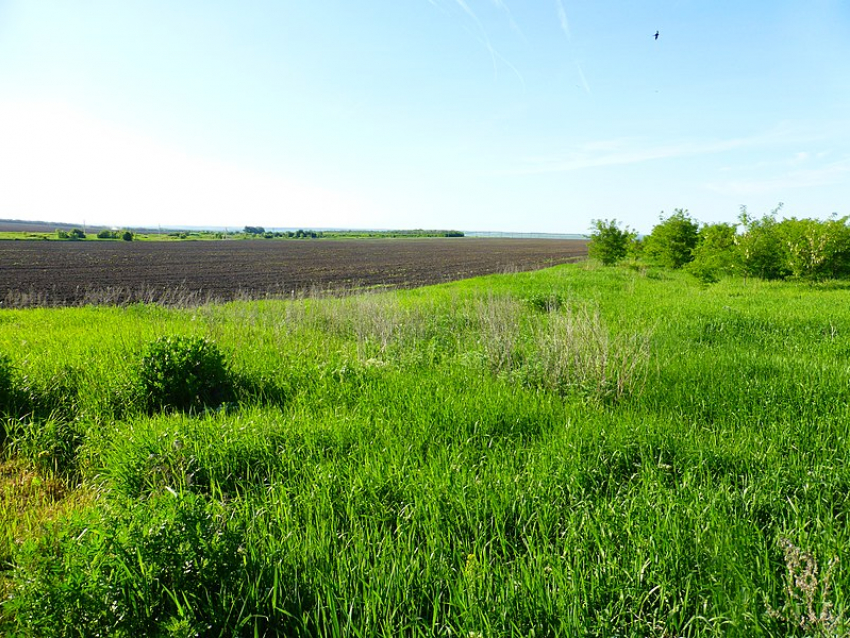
(636, 150)
(613, 154)
(835, 173)
(797, 159)
(480, 34)
(584, 83)
(500, 4)
(562, 18)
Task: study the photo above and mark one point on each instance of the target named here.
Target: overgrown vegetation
(577, 451)
(761, 247)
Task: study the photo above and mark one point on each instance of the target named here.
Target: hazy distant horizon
(239, 228)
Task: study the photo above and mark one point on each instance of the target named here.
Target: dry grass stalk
(807, 593)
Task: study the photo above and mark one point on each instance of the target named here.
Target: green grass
(572, 452)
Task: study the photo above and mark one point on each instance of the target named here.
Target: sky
(491, 115)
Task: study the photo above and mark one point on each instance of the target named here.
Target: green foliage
(145, 569)
(62, 234)
(254, 230)
(186, 373)
(76, 233)
(50, 445)
(761, 251)
(608, 242)
(672, 242)
(715, 255)
(816, 250)
(115, 234)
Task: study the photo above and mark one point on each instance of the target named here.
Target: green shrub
(672, 242)
(760, 248)
(716, 253)
(185, 373)
(816, 250)
(608, 242)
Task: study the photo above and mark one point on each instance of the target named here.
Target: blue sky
(533, 116)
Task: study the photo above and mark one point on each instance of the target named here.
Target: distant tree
(716, 253)
(255, 230)
(127, 236)
(608, 242)
(816, 249)
(761, 251)
(76, 233)
(672, 242)
(62, 234)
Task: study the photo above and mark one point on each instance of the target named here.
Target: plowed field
(53, 273)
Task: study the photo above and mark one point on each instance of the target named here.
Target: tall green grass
(570, 452)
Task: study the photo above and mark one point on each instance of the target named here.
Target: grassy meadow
(578, 451)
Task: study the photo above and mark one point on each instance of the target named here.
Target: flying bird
(657, 33)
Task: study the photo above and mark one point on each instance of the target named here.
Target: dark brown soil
(54, 273)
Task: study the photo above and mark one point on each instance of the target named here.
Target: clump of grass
(569, 350)
(29, 500)
(500, 332)
(50, 445)
(577, 353)
(546, 302)
(378, 322)
(6, 384)
(175, 561)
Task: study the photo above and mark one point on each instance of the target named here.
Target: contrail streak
(484, 39)
(562, 16)
(565, 27)
(504, 7)
(583, 79)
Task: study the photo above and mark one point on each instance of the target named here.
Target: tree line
(762, 247)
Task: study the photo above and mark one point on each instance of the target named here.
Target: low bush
(673, 241)
(184, 373)
(608, 242)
